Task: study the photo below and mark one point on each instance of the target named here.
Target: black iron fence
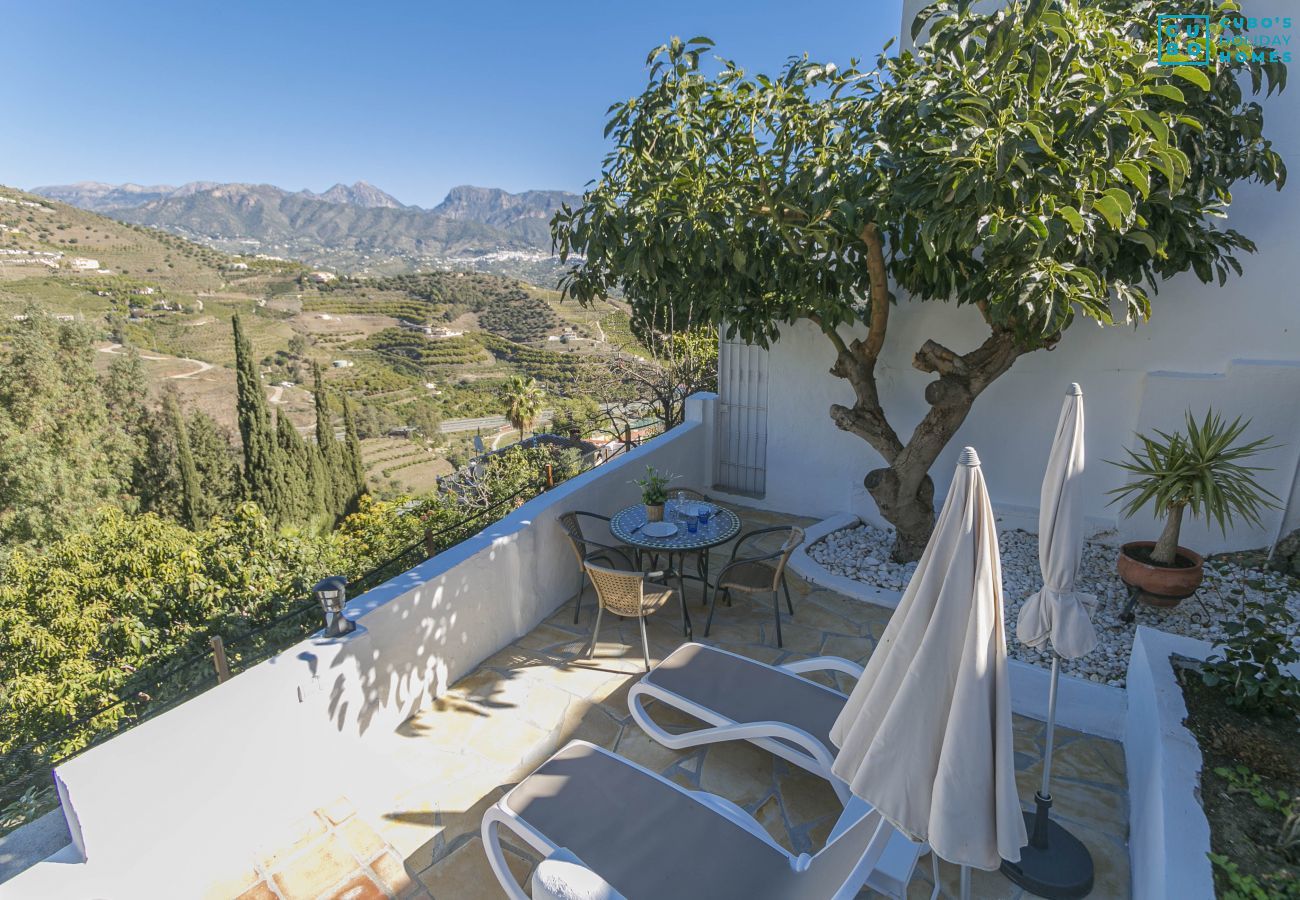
(220, 653)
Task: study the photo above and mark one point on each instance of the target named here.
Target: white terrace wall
(1235, 348)
(183, 796)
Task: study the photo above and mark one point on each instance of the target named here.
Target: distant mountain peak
(493, 206)
(361, 193)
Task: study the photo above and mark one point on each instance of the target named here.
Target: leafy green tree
(59, 456)
(95, 611)
(1032, 163)
(263, 476)
(521, 401)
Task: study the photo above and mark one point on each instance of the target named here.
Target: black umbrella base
(1059, 869)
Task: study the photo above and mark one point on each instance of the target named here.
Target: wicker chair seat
(751, 577)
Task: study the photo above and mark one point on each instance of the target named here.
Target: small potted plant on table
(654, 493)
(1200, 470)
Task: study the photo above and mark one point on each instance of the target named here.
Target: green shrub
(1250, 665)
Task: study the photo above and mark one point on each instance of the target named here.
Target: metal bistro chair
(627, 594)
(758, 574)
(587, 550)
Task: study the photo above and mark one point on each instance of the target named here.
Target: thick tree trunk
(903, 491)
(1166, 549)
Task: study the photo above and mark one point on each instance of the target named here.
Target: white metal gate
(742, 419)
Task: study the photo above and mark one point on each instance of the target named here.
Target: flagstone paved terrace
(522, 704)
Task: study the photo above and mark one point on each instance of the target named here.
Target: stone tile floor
(523, 703)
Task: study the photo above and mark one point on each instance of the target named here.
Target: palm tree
(522, 398)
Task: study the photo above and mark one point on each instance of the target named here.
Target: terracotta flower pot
(1162, 586)
(654, 512)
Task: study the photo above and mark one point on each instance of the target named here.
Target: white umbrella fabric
(926, 735)
(1055, 863)
(1058, 612)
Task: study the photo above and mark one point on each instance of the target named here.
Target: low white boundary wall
(1169, 836)
(1086, 706)
(177, 799)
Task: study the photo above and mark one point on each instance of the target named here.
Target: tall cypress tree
(263, 482)
(352, 470)
(294, 470)
(327, 487)
(192, 502)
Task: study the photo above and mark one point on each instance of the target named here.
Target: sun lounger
(773, 707)
(646, 837)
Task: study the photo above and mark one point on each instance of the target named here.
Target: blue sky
(413, 97)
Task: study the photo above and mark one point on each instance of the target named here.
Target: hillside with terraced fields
(409, 349)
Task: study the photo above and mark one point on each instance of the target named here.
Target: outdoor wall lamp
(332, 593)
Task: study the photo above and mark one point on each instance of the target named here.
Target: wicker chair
(585, 549)
(627, 594)
(761, 574)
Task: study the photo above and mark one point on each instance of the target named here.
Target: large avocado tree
(1035, 163)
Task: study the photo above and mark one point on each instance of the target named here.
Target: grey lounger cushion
(642, 835)
(746, 691)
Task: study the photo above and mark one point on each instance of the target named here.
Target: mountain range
(357, 228)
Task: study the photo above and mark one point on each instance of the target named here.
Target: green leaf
(1192, 74)
(1041, 71)
(1044, 143)
(1137, 176)
(1145, 239)
(1110, 211)
(1154, 124)
(1122, 199)
(1165, 90)
(1072, 216)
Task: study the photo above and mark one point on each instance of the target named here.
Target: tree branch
(935, 357)
(879, 299)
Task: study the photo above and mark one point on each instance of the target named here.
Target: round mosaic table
(723, 525)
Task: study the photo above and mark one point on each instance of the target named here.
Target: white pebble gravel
(862, 553)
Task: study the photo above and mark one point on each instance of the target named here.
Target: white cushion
(562, 876)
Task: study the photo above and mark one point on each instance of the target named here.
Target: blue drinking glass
(692, 524)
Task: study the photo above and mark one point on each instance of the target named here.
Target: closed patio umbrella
(1055, 864)
(926, 737)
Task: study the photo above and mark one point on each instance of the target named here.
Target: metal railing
(182, 677)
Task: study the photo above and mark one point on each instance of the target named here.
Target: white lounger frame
(500, 814)
(817, 758)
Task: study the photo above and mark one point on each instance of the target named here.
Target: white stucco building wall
(1235, 348)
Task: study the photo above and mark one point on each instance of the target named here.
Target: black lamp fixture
(332, 594)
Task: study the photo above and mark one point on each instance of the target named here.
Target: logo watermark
(1184, 40)
(1194, 40)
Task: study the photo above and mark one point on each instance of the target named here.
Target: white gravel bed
(862, 553)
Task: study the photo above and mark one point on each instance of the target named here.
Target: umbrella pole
(1039, 837)
(1054, 864)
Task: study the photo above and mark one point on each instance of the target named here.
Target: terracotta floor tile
(259, 891)
(359, 887)
(315, 870)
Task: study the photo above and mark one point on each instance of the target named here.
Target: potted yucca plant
(1198, 470)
